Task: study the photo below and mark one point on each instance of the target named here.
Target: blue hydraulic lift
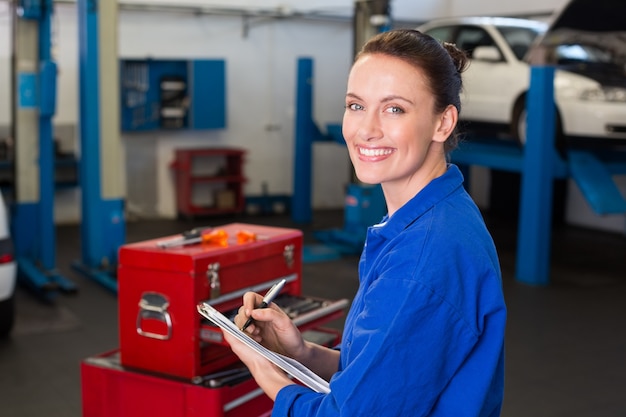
(539, 164)
(103, 228)
(306, 134)
(32, 220)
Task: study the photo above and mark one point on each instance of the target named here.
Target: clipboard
(291, 366)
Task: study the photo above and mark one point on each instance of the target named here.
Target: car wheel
(7, 316)
(519, 126)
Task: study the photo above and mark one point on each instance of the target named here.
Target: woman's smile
(376, 153)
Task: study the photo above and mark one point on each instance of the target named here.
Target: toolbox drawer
(308, 313)
(110, 390)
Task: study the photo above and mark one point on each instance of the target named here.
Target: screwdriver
(246, 236)
(197, 235)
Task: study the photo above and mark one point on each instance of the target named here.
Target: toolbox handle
(320, 312)
(243, 399)
(153, 306)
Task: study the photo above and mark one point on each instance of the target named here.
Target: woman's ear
(447, 122)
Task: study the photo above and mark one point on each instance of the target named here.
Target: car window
(470, 37)
(518, 38)
(443, 34)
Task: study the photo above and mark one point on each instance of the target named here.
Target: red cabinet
(209, 181)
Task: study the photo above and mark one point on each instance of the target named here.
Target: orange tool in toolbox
(165, 344)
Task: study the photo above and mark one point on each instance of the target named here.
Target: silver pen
(267, 300)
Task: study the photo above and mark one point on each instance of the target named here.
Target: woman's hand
(270, 378)
(271, 327)
(274, 330)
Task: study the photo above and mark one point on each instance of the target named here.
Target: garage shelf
(209, 181)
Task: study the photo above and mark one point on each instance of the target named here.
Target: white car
(589, 82)
(8, 271)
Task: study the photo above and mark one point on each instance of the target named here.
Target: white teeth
(374, 152)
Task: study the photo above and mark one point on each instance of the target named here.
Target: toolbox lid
(258, 242)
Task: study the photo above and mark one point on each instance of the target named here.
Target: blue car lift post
(102, 206)
(32, 224)
(539, 164)
(306, 134)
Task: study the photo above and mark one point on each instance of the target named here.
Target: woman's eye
(395, 110)
(354, 106)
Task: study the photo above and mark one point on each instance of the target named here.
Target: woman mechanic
(425, 333)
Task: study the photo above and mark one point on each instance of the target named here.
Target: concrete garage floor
(566, 342)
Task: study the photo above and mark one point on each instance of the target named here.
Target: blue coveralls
(425, 332)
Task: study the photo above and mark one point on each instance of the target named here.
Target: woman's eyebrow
(396, 97)
(385, 99)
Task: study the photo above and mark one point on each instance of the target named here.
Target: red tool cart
(112, 390)
(214, 173)
(169, 355)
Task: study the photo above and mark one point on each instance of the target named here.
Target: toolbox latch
(213, 276)
(153, 307)
(288, 254)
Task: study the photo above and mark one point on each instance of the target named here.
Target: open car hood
(591, 16)
(592, 22)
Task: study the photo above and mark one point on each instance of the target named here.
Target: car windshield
(519, 38)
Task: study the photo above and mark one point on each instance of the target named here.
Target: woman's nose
(371, 128)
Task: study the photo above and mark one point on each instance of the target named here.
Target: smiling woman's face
(393, 135)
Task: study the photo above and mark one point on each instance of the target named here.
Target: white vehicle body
(8, 273)
(590, 89)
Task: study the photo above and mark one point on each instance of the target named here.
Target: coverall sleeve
(408, 344)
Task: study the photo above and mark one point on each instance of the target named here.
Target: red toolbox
(110, 390)
(159, 287)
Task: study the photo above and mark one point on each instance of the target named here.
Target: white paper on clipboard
(289, 365)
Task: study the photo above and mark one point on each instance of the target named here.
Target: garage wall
(5, 73)
(261, 79)
(407, 10)
(513, 8)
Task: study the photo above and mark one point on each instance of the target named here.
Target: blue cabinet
(172, 94)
